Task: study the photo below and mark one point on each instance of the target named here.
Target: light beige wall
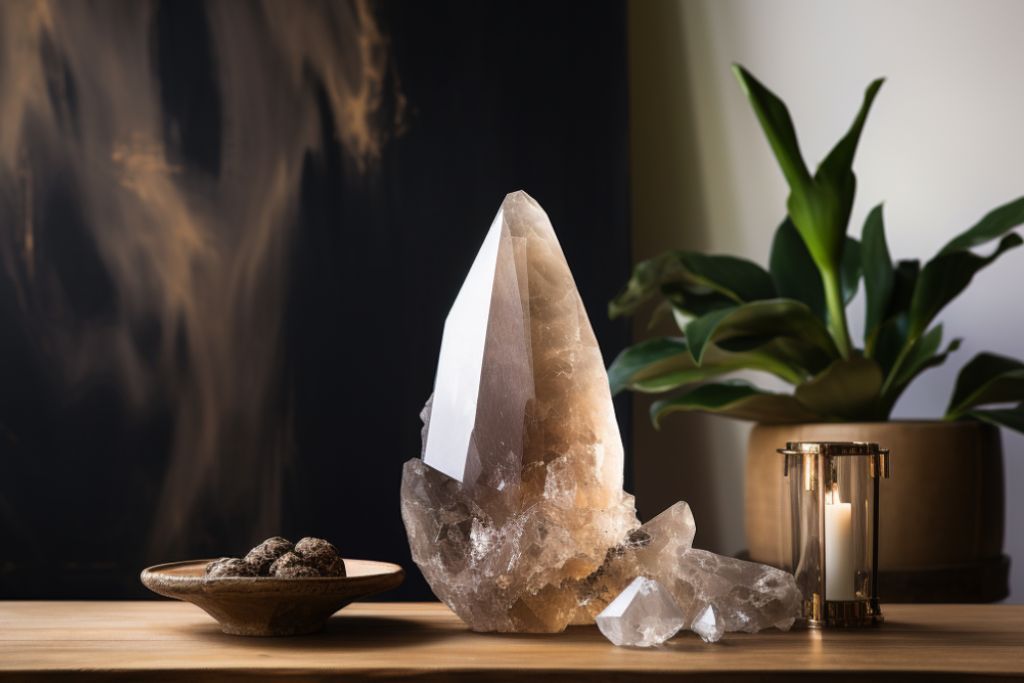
(945, 143)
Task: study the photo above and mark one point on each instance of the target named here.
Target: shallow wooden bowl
(269, 606)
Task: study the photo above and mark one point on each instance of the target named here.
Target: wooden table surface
(424, 641)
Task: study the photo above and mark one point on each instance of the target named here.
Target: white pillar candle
(840, 573)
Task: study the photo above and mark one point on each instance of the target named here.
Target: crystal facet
(643, 615)
(516, 514)
(709, 625)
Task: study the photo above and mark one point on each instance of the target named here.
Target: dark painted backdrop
(501, 96)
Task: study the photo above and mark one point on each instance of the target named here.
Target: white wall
(943, 145)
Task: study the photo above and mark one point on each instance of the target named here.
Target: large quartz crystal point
(518, 496)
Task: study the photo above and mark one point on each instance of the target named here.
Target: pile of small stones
(280, 558)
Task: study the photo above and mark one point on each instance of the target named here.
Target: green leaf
(664, 363)
(649, 358)
(821, 212)
(888, 342)
(809, 207)
(699, 332)
(774, 317)
(662, 312)
(848, 388)
(891, 394)
(1007, 417)
(944, 277)
(693, 302)
(820, 206)
(791, 359)
(840, 159)
(851, 269)
(796, 276)
(777, 125)
(918, 357)
(878, 272)
(994, 224)
(739, 279)
(657, 365)
(645, 282)
(987, 378)
(903, 284)
(735, 399)
(707, 281)
(836, 171)
(793, 270)
(939, 359)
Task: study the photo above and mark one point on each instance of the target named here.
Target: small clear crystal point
(643, 615)
(709, 625)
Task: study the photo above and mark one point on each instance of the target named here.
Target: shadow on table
(684, 642)
(354, 632)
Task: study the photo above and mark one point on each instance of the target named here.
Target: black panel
(501, 96)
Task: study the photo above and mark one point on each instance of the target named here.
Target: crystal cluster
(515, 514)
(715, 593)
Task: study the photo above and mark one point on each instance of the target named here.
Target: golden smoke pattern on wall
(202, 256)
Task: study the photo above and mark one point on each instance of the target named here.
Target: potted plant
(942, 512)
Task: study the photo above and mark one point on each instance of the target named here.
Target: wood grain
(426, 642)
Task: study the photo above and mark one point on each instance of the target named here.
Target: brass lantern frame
(818, 461)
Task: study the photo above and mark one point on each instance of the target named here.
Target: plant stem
(836, 312)
(890, 392)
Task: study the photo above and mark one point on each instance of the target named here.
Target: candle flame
(832, 497)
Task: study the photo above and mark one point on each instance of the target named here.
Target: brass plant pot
(941, 512)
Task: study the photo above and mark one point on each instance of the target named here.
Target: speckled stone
(284, 562)
(321, 555)
(295, 571)
(229, 566)
(263, 555)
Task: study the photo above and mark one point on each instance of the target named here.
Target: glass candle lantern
(834, 494)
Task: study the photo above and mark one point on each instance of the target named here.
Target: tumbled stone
(642, 615)
(289, 564)
(321, 555)
(227, 567)
(263, 555)
(709, 625)
(295, 571)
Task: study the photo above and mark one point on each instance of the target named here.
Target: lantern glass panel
(833, 523)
